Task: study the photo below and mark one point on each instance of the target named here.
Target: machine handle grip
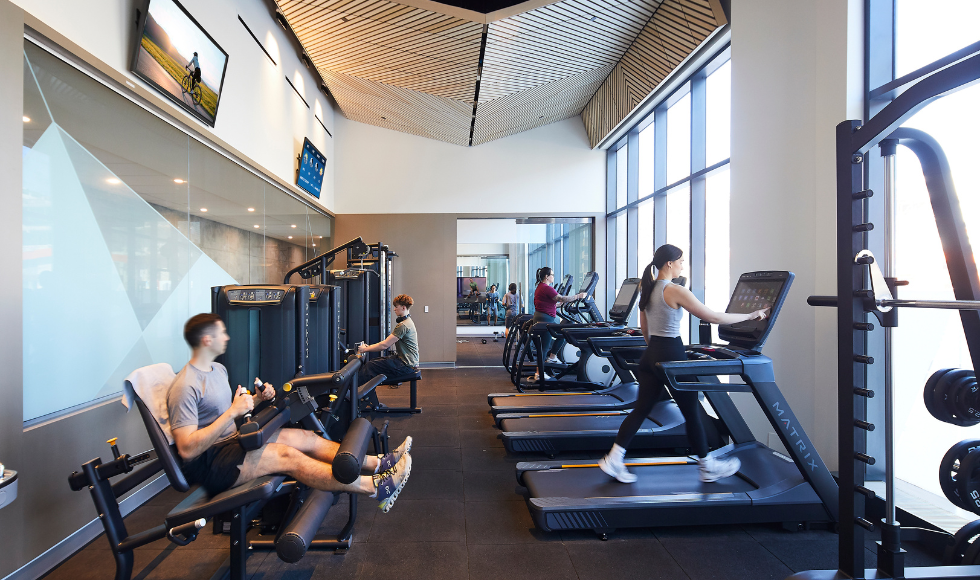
(830, 301)
(186, 533)
(256, 433)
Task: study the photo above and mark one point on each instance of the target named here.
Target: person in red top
(546, 300)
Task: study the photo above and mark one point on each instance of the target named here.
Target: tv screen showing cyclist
(178, 58)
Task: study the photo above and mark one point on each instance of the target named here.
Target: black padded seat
(199, 505)
(416, 377)
(413, 394)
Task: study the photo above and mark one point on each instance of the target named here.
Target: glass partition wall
(128, 222)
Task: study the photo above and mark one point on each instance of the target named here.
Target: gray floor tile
(491, 486)
(531, 561)
(436, 458)
(420, 520)
(479, 439)
(437, 484)
(428, 437)
(413, 561)
(502, 522)
(637, 559)
(490, 459)
(725, 560)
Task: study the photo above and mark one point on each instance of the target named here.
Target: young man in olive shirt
(404, 339)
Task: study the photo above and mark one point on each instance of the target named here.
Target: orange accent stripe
(652, 464)
(549, 394)
(580, 415)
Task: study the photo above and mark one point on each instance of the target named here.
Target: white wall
(550, 169)
(259, 115)
(796, 73)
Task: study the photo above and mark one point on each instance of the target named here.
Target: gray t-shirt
(512, 303)
(407, 347)
(199, 398)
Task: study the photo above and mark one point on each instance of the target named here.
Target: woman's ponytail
(665, 253)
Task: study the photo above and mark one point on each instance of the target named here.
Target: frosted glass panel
(114, 260)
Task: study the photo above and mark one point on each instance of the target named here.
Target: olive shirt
(407, 347)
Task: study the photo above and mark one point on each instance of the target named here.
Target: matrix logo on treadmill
(791, 432)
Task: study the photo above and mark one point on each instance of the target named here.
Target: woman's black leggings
(652, 384)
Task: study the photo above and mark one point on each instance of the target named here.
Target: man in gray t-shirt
(404, 340)
(202, 419)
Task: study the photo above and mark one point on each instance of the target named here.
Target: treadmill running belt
(560, 400)
(585, 482)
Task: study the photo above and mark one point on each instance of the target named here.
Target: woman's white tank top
(662, 320)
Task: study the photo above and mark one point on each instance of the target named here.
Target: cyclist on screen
(195, 67)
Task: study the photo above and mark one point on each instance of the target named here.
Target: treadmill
(769, 487)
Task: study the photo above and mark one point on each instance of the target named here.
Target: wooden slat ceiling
(419, 71)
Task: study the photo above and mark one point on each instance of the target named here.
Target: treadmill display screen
(587, 282)
(625, 296)
(749, 297)
(754, 291)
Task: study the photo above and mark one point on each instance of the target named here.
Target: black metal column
(850, 343)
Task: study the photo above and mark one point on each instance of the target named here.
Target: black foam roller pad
(347, 463)
(298, 534)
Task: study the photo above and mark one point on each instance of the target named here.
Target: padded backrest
(166, 452)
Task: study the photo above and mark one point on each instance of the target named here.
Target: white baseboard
(64, 549)
(437, 365)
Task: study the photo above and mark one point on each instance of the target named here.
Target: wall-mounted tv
(177, 57)
(311, 166)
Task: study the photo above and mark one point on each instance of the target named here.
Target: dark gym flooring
(461, 516)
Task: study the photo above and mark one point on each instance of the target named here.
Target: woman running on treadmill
(663, 304)
(546, 300)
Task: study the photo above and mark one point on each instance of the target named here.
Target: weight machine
(864, 287)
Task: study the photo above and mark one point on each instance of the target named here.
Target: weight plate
(963, 394)
(972, 553)
(961, 543)
(949, 469)
(927, 393)
(968, 481)
(941, 400)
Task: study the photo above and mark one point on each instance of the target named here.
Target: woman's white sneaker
(715, 468)
(617, 470)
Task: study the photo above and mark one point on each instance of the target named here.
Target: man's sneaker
(715, 468)
(390, 483)
(388, 461)
(617, 470)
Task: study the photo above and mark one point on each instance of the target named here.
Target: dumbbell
(952, 471)
(953, 396)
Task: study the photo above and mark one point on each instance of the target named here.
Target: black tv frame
(299, 166)
(142, 14)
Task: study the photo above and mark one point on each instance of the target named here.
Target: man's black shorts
(216, 469)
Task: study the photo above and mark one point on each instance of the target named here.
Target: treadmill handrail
(602, 345)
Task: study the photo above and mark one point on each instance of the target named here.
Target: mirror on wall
(499, 252)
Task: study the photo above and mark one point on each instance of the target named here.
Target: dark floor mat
(462, 515)
(471, 352)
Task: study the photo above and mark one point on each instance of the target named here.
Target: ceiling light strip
(479, 75)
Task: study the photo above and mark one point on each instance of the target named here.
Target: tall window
(925, 340)
(671, 186)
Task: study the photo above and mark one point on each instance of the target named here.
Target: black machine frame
(854, 301)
